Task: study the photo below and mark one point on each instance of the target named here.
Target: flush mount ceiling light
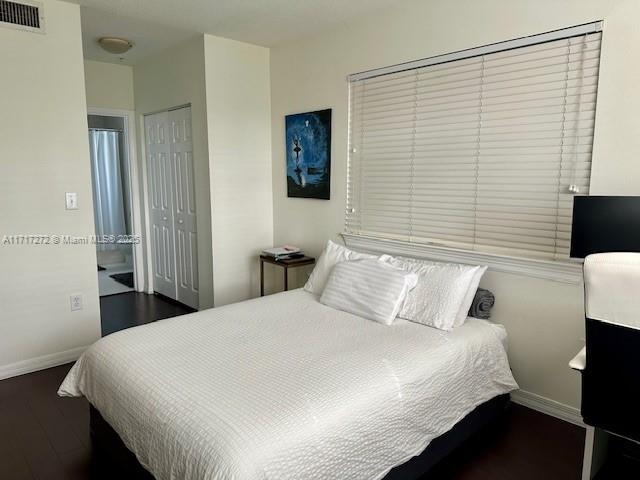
(115, 45)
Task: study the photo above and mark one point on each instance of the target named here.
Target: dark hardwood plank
(12, 463)
(130, 309)
(15, 470)
(526, 445)
(76, 413)
(49, 415)
(33, 442)
(77, 464)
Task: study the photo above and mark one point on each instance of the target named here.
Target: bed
(283, 387)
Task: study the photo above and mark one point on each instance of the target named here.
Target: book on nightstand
(281, 253)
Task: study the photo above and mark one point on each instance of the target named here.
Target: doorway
(111, 176)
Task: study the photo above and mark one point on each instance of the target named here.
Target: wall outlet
(76, 301)
(71, 200)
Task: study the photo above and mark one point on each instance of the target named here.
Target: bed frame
(111, 456)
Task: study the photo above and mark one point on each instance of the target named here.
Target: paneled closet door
(184, 207)
(161, 188)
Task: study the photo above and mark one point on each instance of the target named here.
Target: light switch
(71, 201)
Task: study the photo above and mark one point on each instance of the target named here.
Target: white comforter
(284, 387)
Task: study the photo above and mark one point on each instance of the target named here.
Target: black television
(605, 224)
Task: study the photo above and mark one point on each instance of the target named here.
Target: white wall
(172, 78)
(238, 117)
(228, 86)
(43, 154)
(544, 319)
(109, 85)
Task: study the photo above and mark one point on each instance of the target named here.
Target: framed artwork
(308, 147)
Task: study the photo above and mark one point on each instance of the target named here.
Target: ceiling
(153, 25)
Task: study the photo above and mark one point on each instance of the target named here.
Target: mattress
(283, 387)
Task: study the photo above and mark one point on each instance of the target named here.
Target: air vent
(25, 15)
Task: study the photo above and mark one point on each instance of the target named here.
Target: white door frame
(135, 198)
(144, 202)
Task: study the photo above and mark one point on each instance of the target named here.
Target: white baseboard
(40, 363)
(548, 406)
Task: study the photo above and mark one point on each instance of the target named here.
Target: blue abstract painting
(308, 140)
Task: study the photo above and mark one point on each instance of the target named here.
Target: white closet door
(184, 207)
(161, 188)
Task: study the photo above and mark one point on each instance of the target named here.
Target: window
(480, 150)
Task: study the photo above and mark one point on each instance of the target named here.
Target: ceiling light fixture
(115, 45)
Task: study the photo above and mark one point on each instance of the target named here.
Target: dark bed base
(482, 416)
(109, 454)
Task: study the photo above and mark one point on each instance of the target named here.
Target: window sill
(558, 271)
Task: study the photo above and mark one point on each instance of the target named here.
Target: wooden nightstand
(286, 265)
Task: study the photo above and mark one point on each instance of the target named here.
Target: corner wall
(44, 153)
(544, 319)
(238, 117)
(169, 79)
(227, 84)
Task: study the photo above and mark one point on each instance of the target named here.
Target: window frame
(562, 270)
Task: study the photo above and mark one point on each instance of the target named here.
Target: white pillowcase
(444, 292)
(369, 288)
(333, 253)
(463, 313)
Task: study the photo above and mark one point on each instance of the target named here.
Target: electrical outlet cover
(76, 302)
(71, 201)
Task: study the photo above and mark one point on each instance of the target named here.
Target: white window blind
(482, 153)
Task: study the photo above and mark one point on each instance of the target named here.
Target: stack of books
(282, 253)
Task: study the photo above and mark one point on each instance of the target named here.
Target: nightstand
(286, 265)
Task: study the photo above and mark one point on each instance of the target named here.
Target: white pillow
(332, 254)
(369, 288)
(443, 294)
(463, 312)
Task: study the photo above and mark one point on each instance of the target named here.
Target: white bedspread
(284, 387)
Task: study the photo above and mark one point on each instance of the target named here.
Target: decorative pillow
(333, 253)
(482, 304)
(444, 292)
(369, 288)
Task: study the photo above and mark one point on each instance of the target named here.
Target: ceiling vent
(24, 15)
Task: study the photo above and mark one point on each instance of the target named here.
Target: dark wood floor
(525, 445)
(129, 309)
(45, 437)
